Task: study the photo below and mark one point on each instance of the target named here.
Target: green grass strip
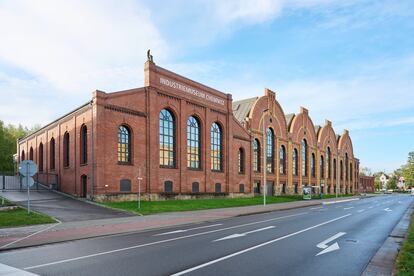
(153, 207)
(405, 259)
(20, 217)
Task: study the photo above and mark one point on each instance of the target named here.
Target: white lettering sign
(192, 91)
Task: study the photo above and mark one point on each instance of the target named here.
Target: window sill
(194, 169)
(125, 163)
(217, 171)
(167, 167)
(83, 164)
(66, 167)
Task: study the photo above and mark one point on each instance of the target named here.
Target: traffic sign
(27, 181)
(28, 168)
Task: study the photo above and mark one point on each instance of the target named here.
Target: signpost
(139, 188)
(28, 168)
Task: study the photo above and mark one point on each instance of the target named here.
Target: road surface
(335, 239)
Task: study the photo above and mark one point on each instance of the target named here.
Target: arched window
(304, 158)
(328, 162)
(256, 155)
(124, 145)
(241, 160)
(41, 157)
(83, 144)
(346, 166)
(52, 154)
(313, 165)
(216, 147)
(66, 149)
(350, 171)
(270, 160)
(193, 143)
(334, 167)
(31, 154)
(295, 162)
(167, 139)
(322, 167)
(282, 160)
(341, 170)
(23, 156)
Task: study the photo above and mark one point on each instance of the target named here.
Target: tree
(8, 143)
(407, 170)
(365, 171)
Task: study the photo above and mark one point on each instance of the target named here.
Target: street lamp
(264, 157)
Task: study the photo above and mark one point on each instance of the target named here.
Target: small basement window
(218, 188)
(125, 185)
(168, 186)
(195, 187)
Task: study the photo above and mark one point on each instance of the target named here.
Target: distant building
(366, 184)
(187, 140)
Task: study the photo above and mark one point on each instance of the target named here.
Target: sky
(351, 62)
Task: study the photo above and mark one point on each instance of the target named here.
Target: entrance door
(270, 188)
(84, 183)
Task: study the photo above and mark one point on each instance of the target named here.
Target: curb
(384, 260)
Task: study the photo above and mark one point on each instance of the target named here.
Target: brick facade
(104, 177)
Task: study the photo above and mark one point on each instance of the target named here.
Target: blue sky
(351, 62)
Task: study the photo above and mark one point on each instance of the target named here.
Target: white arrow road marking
(243, 234)
(347, 208)
(387, 210)
(370, 207)
(360, 211)
(323, 245)
(186, 230)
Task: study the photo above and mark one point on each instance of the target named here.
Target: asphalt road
(337, 239)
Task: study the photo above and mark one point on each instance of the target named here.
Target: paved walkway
(61, 207)
(37, 235)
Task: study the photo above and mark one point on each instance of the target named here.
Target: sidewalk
(66, 231)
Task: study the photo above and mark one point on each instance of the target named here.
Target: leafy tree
(8, 143)
(365, 171)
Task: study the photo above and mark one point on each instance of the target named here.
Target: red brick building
(186, 139)
(366, 184)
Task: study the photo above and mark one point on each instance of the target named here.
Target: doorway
(84, 186)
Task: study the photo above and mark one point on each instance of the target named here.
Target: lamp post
(264, 157)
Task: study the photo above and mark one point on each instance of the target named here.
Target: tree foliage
(8, 143)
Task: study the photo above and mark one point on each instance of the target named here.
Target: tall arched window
(216, 147)
(350, 171)
(23, 156)
(328, 162)
(31, 154)
(52, 154)
(256, 155)
(41, 157)
(193, 143)
(334, 167)
(304, 158)
(270, 151)
(341, 170)
(282, 160)
(241, 160)
(83, 144)
(124, 145)
(346, 166)
(167, 139)
(66, 156)
(322, 167)
(295, 162)
(313, 165)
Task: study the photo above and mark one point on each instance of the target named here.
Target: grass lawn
(405, 259)
(152, 207)
(19, 217)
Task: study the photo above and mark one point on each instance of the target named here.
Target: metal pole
(28, 188)
(264, 162)
(139, 188)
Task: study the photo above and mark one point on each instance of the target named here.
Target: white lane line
(190, 229)
(256, 246)
(233, 236)
(316, 208)
(360, 211)
(347, 208)
(31, 235)
(387, 210)
(158, 242)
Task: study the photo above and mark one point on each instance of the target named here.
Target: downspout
(92, 152)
